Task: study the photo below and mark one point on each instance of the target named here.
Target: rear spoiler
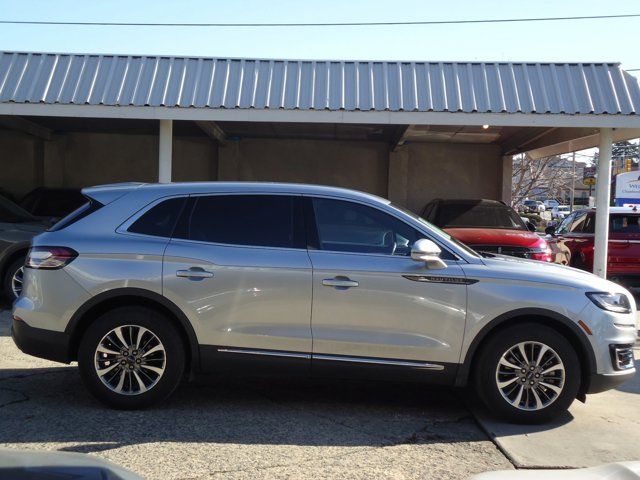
(105, 194)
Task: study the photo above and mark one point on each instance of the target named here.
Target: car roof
(469, 201)
(177, 188)
(615, 210)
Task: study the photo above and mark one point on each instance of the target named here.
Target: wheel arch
(17, 250)
(111, 299)
(563, 325)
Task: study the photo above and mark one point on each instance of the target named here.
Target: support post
(603, 195)
(166, 145)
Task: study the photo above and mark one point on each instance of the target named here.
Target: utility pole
(573, 181)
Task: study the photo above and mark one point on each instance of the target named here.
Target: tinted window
(12, 213)
(44, 202)
(160, 219)
(478, 214)
(256, 220)
(625, 224)
(352, 227)
(77, 215)
(589, 224)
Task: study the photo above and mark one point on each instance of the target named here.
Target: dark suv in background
(19, 223)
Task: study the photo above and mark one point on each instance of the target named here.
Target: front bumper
(41, 343)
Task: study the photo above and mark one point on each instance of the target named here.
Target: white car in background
(559, 212)
(533, 206)
(551, 203)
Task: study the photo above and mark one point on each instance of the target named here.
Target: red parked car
(488, 226)
(573, 240)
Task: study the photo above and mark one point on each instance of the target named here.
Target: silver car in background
(148, 283)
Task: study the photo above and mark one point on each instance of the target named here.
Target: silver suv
(147, 283)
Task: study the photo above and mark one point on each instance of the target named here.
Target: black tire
(8, 277)
(487, 364)
(161, 327)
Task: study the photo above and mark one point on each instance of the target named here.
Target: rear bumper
(600, 382)
(41, 343)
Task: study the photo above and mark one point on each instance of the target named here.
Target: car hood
(494, 236)
(518, 269)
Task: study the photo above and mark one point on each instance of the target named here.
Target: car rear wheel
(528, 373)
(12, 282)
(131, 357)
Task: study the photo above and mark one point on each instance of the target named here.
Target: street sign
(589, 176)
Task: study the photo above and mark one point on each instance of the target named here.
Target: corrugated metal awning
(209, 83)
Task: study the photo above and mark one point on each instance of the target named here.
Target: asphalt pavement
(248, 428)
(237, 428)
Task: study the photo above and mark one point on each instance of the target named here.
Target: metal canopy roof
(209, 83)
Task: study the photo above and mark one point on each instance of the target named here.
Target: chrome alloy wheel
(530, 375)
(16, 282)
(130, 360)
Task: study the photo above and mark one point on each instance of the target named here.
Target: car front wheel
(131, 357)
(528, 373)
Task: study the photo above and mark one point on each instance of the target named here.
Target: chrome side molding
(269, 353)
(336, 358)
(380, 361)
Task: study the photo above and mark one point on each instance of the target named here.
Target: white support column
(603, 195)
(166, 145)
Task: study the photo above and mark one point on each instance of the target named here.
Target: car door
(372, 304)
(576, 237)
(238, 267)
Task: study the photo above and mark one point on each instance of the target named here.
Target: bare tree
(548, 176)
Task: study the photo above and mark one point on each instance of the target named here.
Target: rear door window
(251, 220)
(159, 220)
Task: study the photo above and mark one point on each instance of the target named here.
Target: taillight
(49, 258)
(545, 256)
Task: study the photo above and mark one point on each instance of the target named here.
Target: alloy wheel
(530, 375)
(130, 360)
(16, 282)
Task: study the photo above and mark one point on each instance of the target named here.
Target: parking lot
(243, 428)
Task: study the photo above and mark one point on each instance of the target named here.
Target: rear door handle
(194, 273)
(340, 282)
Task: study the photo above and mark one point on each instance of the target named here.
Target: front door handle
(340, 282)
(194, 273)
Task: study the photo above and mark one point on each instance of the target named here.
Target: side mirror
(424, 250)
(531, 227)
(550, 231)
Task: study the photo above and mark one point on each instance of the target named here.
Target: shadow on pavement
(633, 385)
(52, 406)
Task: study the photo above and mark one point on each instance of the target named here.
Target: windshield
(12, 213)
(477, 215)
(437, 230)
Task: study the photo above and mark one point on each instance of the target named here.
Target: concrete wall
(18, 159)
(353, 164)
(81, 159)
(410, 176)
(420, 172)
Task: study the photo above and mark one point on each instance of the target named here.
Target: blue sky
(587, 40)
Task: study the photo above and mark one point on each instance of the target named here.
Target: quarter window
(351, 227)
(255, 220)
(160, 219)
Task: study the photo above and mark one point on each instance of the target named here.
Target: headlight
(614, 302)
